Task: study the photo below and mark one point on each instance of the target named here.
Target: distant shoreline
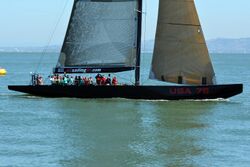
(220, 45)
(39, 53)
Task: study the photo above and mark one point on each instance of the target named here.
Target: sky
(38, 23)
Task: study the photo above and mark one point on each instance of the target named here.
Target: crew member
(114, 81)
(108, 80)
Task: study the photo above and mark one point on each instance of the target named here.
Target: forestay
(180, 53)
(101, 34)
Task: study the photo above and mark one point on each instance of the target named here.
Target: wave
(211, 100)
(8, 94)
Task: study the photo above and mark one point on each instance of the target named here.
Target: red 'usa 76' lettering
(180, 91)
(202, 91)
(187, 91)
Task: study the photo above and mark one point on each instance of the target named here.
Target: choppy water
(67, 132)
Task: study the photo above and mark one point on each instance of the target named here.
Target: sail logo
(86, 70)
(96, 70)
(79, 70)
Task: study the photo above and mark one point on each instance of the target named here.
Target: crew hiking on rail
(66, 80)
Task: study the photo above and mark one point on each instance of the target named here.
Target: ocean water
(64, 132)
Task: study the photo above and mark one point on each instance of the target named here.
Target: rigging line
(51, 37)
(145, 30)
(145, 26)
(123, 78)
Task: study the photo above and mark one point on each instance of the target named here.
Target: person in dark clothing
(98, 79)
(108, 80)
(76, 80)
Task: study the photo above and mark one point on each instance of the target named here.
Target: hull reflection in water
(135, 133)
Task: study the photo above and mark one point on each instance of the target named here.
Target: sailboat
(104, 36)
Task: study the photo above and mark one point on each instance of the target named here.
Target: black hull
(134, 92)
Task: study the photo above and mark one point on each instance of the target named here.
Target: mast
(138, 53)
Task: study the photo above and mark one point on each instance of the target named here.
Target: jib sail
(180, 53)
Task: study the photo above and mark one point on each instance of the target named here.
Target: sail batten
(180, 53)
(101, 32)
(183, 24)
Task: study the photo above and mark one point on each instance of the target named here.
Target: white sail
(180, 53)
(101, 33)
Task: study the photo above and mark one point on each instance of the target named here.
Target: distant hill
(53, 48)
(220, 45)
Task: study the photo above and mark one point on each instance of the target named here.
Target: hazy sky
(32, 22)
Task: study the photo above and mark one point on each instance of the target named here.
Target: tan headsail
(180, 53)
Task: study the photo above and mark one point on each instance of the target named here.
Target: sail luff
(180, 53)
(62, 58)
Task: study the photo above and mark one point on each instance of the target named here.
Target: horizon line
(59, 45)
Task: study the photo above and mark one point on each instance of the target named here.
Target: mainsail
(101, 34)
(180, 54)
